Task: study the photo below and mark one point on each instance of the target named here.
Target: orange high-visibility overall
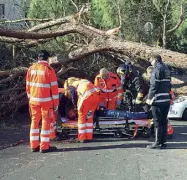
(88, 101)
(111, 90)
(42, 92)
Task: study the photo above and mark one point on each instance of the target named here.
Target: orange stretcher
(118, 123)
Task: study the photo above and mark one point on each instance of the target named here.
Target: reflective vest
(110, 88)
(41, 85)
(84, 90)
(160, 84)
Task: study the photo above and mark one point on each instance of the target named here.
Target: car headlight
(178, 100)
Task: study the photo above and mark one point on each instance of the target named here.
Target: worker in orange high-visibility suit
(110, 87)
(85, 96)
(42, 92)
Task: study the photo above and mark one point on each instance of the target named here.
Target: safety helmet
(124, 69)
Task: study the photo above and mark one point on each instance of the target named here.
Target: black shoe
(154, 146)
(51, 149)
(35, 149)
(163, 146)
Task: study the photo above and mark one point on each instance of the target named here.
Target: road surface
(106, 158)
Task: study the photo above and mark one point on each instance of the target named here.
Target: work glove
(56, 108)
(148, 101)
(138, 101)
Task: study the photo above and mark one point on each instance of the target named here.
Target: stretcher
(118, 123)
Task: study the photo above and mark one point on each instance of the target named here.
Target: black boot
(157, 143)
(164, 134)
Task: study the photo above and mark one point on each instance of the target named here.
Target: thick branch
(128, 48)
(63, 30)
(17, 71)
(33, 35)
(180, 20)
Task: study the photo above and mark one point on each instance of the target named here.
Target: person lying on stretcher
(66, 109)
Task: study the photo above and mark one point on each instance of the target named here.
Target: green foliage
(50, 8)
(105, 14)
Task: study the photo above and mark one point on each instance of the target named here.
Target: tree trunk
(164, 32)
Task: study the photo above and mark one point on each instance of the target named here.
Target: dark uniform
(159, 95)
(134, 87)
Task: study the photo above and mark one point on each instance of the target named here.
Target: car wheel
(184, 115)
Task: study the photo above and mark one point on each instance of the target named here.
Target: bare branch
(167, 6)
(57, 21)
(26, 19)
(74, 5)
(180, 20)
(119, 12)
(51, 23)
(67, 28)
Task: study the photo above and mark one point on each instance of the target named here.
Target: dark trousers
(160, 113)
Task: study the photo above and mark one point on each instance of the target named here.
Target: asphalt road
(106, 158)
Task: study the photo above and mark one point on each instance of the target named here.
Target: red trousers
(37, 138)
(85, 117)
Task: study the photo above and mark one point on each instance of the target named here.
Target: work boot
(35, 149)
(51, 149)
(156, 144)
(163, 146)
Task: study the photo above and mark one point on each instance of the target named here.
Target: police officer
(132, 85)
(159, 99)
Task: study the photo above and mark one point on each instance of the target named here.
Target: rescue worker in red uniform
(110, 87)
(42, 92)
(85, 97)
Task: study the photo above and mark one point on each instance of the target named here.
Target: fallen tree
(12, 82)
